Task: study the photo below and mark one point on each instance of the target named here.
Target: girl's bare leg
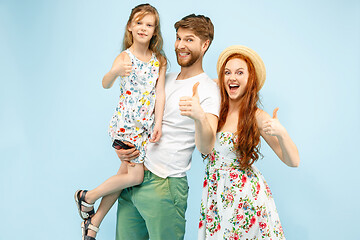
(110, 190)
(133, 176)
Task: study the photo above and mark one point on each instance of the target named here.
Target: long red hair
(247, 136)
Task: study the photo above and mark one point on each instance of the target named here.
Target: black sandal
(85, 226)
(80, 201)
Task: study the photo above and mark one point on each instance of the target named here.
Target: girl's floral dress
(236, 204)
(134, 115)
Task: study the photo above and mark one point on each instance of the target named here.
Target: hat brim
(251, 54)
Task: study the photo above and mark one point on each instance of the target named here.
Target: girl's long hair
(156, 42)
(247, 136)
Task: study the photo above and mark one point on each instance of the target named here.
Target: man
(156, 208)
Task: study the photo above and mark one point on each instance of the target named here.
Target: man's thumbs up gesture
(272, 126)
(190, 106)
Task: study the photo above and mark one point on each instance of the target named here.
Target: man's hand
(127, 154)
(190, 106)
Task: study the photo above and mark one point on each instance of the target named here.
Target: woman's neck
(232, 119)
(234, 106)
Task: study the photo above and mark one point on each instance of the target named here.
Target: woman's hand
(273, 126)
(190, 106)
(278, 138)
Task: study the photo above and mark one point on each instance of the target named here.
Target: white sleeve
(210, 98)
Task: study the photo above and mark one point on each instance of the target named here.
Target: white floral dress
(236, 204)
(134, 115)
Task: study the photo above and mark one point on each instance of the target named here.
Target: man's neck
(191, 71)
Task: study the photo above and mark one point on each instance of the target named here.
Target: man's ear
(205, 45)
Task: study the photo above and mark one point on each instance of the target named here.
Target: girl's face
(236, 76)
(142, 29)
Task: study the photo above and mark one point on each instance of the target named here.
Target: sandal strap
(89, 238)
(94, 228)
(82, 200)
(86, 226)
(88, 214)
(85, 204)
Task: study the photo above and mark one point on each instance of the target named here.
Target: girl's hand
(273, 126)
(190, 106)
(156, 135)
(122, 66)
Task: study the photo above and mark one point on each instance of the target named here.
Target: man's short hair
(199, 24)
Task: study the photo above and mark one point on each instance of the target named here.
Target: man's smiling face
(188, 47)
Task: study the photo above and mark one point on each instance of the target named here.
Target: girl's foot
(86, 210)
(89, 230)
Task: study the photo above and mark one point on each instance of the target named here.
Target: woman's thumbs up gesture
(190, 106)
(273, 126)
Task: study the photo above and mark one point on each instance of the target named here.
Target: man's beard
(194, 56)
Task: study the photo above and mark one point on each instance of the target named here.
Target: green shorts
(154, 209)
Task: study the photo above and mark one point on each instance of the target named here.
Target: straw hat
(254, 57)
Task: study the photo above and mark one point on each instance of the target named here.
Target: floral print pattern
(134, 115)
(236, 204)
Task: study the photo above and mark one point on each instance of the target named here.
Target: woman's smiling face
(236, 76)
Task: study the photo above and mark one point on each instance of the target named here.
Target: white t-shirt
(171, 156)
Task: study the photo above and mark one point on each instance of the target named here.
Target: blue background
(54, 112)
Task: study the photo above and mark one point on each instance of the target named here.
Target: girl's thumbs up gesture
(190, 106)
(122, 65)
(272, 126)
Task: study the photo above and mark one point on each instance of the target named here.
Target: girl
(236, 201)
(142, 68)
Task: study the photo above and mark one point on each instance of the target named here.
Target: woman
(236, 201)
